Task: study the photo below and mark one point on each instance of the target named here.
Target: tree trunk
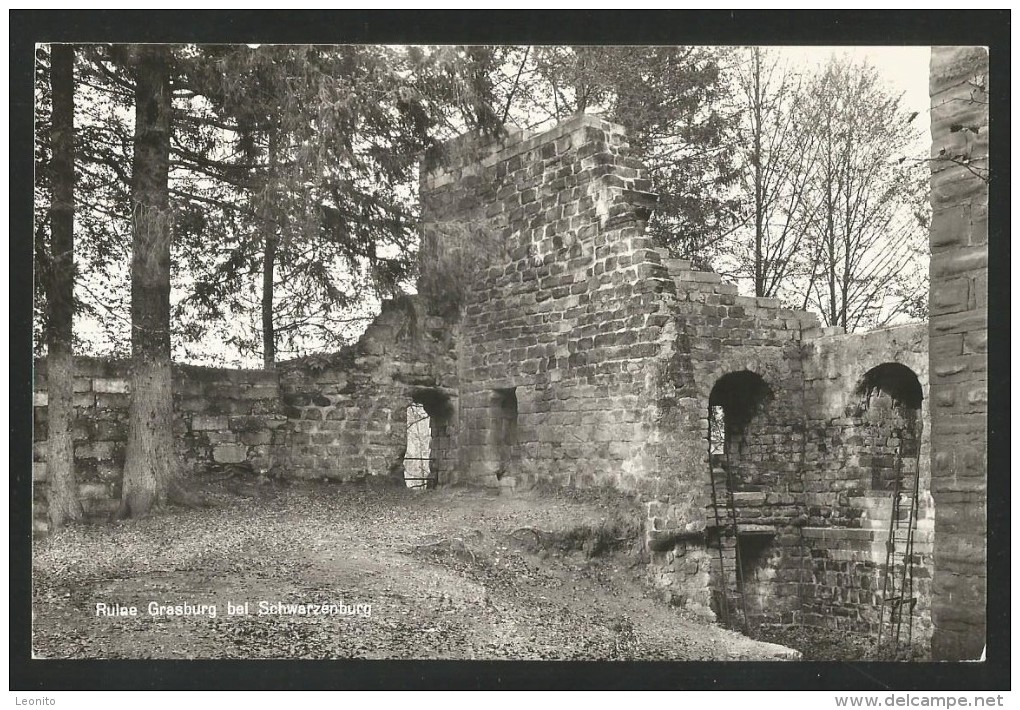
(269, 258)
(268, 274)
(759, 198)
(150, 468)
(830, 236)
(64, 504)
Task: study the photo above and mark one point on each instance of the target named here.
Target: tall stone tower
(958, 331)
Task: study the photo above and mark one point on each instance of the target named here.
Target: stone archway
(741, 574)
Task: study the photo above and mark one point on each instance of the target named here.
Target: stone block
(975, 342)
(950, 295)
(110, 430)
(218, 437)
(274, 421)
(247, 424)
(260, 392)
(192, 404)
(958, 261)
(749, 498)
(112, 400)
(255, 438)
(92, 491)
(229, 453)
(950, 226)
(94, 450)
(970, 320)
(202, 422)
(100, 507)
(955, 65)
(112, 386)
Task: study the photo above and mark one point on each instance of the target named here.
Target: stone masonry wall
(347, 413)
(726, 335)
(853, 438)
(588, 357)
(959, 336)
(337, 417)
(565, 301)
(568, 362)
(607, 348)
(220, 416)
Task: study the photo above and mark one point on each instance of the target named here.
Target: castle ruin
(552, 342)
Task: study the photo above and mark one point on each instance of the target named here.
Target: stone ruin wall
(347, 413)
(725, 334)
(569, 309)
(338, 417)
(611, 350)
(220, 416)
(958, 329)
(852, 440)
(563, 302)
(553, 342)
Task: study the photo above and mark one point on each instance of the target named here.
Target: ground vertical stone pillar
(958, 330)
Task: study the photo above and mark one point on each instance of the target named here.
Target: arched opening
(429, 432)
(894, 480)
(734, 403)
(737, 408)
(888, 422)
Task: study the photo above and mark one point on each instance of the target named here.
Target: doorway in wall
(505, 429)
(736, 403)
(428, 455)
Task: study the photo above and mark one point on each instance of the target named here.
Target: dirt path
(451, 574)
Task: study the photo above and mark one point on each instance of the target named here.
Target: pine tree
(149, 467)
(64, 503)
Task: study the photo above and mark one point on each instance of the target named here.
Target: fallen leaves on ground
(447, 574)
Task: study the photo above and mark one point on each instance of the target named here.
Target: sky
(905, 68)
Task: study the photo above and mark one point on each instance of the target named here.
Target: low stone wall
(99, 431)
(220, 416)
(228, 417)
(339, 417)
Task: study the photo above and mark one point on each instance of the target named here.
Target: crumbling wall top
(441, 165)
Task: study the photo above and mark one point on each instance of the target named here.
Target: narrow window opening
(505, 428)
